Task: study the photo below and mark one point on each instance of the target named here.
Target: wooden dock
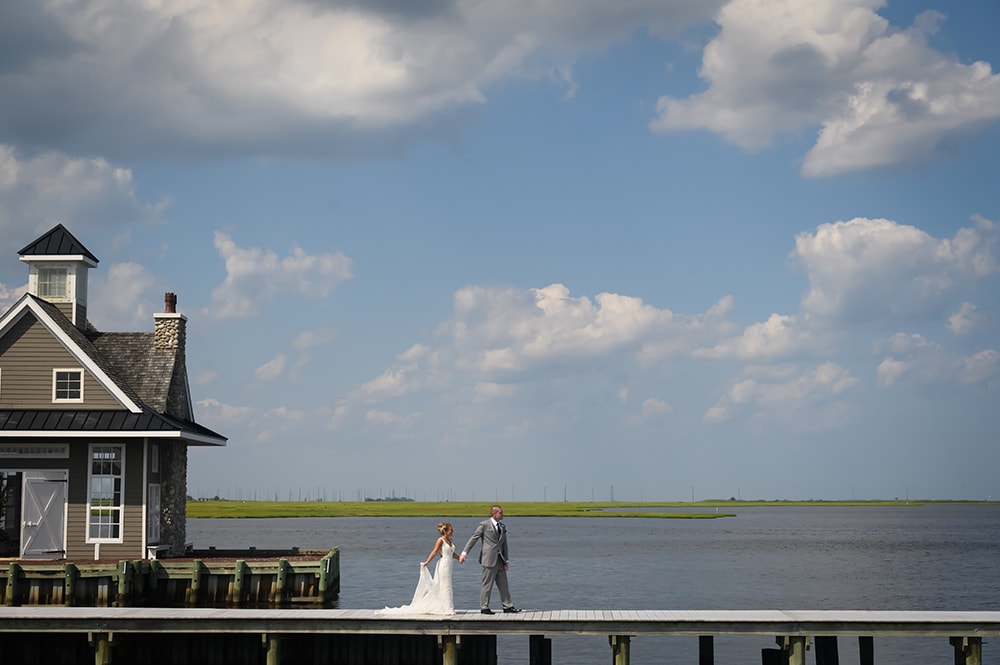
(208, 578)
(104, 629)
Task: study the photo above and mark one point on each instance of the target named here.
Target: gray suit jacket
(494, 550)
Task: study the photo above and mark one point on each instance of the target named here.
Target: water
(935, 557)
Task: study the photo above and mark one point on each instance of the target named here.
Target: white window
(107, 494)
(67, 385)
(153, 515)
(52, 283)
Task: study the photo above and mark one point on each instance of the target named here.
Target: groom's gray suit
(493, 557)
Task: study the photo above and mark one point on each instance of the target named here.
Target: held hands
(461, 558)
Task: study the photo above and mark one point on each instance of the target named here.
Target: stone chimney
(170, 328)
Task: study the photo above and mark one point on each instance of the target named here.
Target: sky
(523, 251)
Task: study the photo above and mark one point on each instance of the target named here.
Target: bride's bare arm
(437, 548)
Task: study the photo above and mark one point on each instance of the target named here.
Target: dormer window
(53, 283)
(67, 385)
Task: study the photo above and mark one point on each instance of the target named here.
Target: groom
(493, 558)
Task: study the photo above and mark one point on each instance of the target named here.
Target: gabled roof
(58, 242)
(141, 378)
(76, 343)
(148, 370)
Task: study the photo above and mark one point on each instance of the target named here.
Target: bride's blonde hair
(443, 527)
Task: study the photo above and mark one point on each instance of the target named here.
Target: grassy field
(649, 510)
(434, 509)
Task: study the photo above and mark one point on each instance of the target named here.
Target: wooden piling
(620, 648)
(968, 650)
(539, 650)
(13, 574)
(706, 650)
(826, 650)
(866, 648)
(193, 592)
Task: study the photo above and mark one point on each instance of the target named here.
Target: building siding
(28, 355)
(134, 544)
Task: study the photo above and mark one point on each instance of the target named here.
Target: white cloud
(913, 356)
(272, 369)
(499, 330)
(876, 269)
(283, 412)
(255, 276)
(415, 368)
(773, 389)
(9, 295)
(38, 192)
(213, 410)
(340, 417)
(777, 337)
(118, 300)
(290, 76)
(880, 95)
(965, 319)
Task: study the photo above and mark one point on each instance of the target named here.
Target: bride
(433, 594)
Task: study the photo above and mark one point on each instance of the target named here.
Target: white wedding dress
(433, 594)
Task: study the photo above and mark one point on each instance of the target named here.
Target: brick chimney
(170, 328)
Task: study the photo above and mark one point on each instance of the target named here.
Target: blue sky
(524, 251)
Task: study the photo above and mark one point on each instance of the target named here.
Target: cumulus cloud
(40, 191)
(507, 331)
(777, 337)
(9, 295)
(285, 76)
(773, 388)
(876, 269)
(118, 300)
(256, 275)
(655, 407)
(272, 369)
(879, 95)
(965, 319)
(913, 356)
(414, 369)
(527, 346)
(260, 425)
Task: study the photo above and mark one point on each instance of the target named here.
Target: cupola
(58, 265)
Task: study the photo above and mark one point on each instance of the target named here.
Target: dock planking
(964, 630)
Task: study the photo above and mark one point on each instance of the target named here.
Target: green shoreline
(712, 509)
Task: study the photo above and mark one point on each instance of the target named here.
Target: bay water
(912, 557)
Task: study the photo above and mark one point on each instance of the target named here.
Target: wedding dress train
(433, 594)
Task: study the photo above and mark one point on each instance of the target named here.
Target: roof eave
(190, 438)
(60, 258)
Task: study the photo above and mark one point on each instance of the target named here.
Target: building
(94, 426)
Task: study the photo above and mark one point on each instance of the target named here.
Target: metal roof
(57, 242)
(55, 422)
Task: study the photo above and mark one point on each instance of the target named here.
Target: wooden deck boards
(471, 622)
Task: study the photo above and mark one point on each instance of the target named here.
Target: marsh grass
(648, 510)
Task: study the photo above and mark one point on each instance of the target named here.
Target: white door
(43, 515)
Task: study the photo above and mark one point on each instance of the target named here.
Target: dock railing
(793, 630)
